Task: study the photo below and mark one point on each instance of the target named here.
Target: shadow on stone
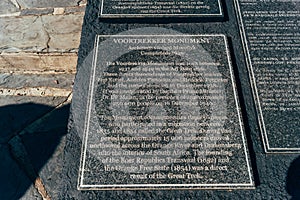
(40, 141)
(293, 179)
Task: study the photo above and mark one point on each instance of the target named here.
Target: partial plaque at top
(163, 113)
(160, 8)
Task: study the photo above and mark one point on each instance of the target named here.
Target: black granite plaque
(163, 113)
(161, 8)
(271, 34)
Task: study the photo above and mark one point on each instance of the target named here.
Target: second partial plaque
(161, 8)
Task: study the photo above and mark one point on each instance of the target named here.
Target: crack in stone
(16, 3)
(35, 19)
(48, 36)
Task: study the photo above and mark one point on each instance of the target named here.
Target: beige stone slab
(35, 92)
(30, 62)
(59, 11)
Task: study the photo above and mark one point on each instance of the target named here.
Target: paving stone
(8, 80)
(65, 41)
(46, 3)
(65, 62)
(7, 6)
(62, 36)
(47, 33)
(22, 33)
(57, 24)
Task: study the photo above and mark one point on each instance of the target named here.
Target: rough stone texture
(46, 3)
(272, 172)
(40, 33)
(7, 6)
(25, 62)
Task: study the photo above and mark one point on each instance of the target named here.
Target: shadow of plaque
(162, 113)
(160, 9)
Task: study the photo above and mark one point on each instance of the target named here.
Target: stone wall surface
(47, 33)
(38, 28)
(39, 41)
